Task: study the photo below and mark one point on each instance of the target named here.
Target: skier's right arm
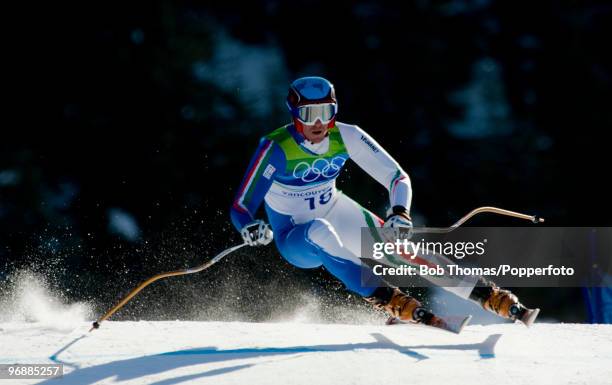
(260, 174)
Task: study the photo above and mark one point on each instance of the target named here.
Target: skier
(294, 172)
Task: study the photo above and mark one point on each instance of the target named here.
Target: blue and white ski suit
(315, 224)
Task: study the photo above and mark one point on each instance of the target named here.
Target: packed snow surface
(175, 352)
(38, 325)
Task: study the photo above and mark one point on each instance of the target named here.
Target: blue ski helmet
(312, 90)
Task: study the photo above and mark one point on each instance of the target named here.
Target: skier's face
(316, 132)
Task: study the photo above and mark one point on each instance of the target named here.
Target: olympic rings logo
(319, 167)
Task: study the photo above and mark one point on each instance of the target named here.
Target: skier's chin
(315, 135)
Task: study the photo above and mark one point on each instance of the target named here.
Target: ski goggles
(309, 113)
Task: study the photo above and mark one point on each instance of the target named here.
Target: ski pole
(484, 209)
(149, 281)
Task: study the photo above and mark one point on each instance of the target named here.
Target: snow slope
(165, 353)
(38, 326)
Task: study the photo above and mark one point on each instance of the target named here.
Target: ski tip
(455, 324)
(530, 316)
(463, 324)
(457, 327)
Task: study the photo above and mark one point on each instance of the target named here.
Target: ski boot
(406, 309)
(503, 303)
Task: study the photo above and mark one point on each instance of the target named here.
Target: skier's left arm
(373, 159)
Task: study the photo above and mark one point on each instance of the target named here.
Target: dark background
(128, 128)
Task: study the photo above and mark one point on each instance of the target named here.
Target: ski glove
(257, 233)
(399, 219)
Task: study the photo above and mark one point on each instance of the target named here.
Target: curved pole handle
(485, 209)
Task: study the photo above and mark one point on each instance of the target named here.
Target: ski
(453, 324)
(528, 316)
